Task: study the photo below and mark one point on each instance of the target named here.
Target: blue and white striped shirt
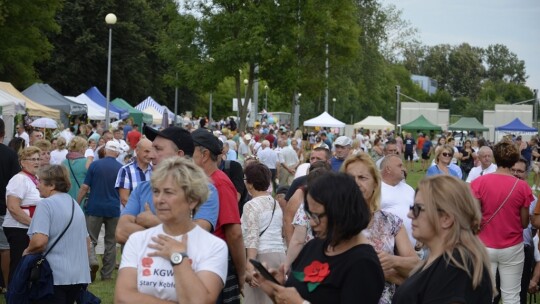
(130, 176)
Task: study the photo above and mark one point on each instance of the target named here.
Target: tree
(504, 65)
(24, 25)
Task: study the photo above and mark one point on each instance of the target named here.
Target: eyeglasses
(447, 154)
(33, 159)
(515, 171)
(315, 217)
(415, 208)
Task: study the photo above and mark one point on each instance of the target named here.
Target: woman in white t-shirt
(176, 261)
(58, 155)
(22, 197)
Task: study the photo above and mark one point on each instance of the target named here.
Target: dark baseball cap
(180, 136)
(205, 138)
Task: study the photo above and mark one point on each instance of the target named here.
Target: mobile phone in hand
(263, 271)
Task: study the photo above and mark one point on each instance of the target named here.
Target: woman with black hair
(339, 265)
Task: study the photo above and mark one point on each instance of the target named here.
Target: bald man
(139, 170)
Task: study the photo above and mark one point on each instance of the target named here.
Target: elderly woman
(45, 155)
(176, 261)
(504, 201)
(69, 256)
(339, 265)
(58, 155)
(262, 221)
(385, 232)
(445, 218)
(443, 158)
(22, 196)
(76, 164)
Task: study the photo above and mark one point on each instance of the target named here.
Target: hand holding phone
(263, 271)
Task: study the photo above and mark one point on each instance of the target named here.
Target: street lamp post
(296, 117)
(110, 19)
(266, 98)
(334, 107)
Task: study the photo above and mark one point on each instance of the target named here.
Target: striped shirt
(130, 176)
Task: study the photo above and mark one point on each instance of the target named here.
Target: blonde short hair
(77, 144)
(60, 143)
(186, 175)
(43, 145)
(28, 151)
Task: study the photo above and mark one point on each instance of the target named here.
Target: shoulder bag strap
(65, 229)
(500, 206)
(73, 173)
(273, 211)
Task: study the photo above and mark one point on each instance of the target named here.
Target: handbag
(500, 206)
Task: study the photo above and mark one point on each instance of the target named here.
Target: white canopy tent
(324, 120)
(157, 117)
(374, 123)
(95, 111)
(11, 106)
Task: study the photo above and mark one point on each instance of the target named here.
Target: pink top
(505, 228)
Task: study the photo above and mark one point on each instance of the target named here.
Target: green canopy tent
(421, 123)
(138, 116)
(467, 124)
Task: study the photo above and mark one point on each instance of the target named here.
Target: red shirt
(420, 142)
(228, 206)
(133, 138)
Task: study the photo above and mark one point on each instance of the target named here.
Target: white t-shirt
(89, 152)
(21, 186)
(477, 172)
(397, 200)
(155, 275)
(57, 157)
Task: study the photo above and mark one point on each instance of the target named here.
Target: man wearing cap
(342, 149)
(206, 155)
(139, 213)
(103, 206)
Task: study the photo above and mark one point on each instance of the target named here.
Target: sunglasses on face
(416, 209)
(445, 154)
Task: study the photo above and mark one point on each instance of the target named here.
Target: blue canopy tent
(517, 126)
(94, 94)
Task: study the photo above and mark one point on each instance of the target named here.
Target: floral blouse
(381, 234)
(301, 219)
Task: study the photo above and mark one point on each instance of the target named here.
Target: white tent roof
(156, 116)
(374, 123)
(95, 111)
(324, 120)
(10, 104)
(150, 102)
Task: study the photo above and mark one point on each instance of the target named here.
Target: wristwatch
(177, 258)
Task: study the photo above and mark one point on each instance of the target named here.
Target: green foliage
(23, 28)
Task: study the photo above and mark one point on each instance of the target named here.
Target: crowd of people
(330, 217)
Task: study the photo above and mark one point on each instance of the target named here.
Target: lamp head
(110, 19)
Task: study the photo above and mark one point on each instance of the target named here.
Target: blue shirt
(336, 163)
(130, 176)
(104, 200)
(434, 170)
(427, 145)
(208, 211)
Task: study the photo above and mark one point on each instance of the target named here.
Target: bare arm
(289, 212)
(124, 195)
(296, 244)
(38, 243)
(82, 192)
(14, 206)
(125, 227)
(204, 224)
(126, 289)
(400, 265)
(524, 214)
(235, 243)
(89, 161)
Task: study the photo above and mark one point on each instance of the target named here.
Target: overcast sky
(514, 23)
